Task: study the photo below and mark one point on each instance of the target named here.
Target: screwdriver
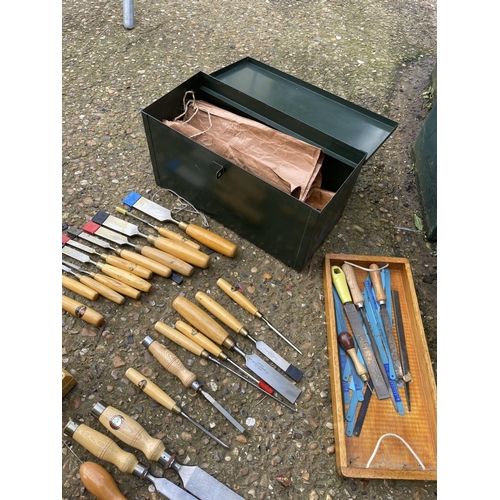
(193, 341)
(116, 285)
(119, 274)
(80, 310)
(97, 480)
(106, 449)
(79, 288)
(174, 365)
(142, 262)
(240, 299)
(154, 392)
(161, 230)
(113, 260)
(102, 289)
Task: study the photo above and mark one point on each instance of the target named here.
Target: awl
(160, 396)
(139, 262)
(229, 320)
(112, 260)
(104, 448)
(162, 214)
(174, 365)
(194, 479)
(163, 258)
(193, 341)
(207, 325)
(340, 284)
(240, 299)
(382, 299)
(171, 247)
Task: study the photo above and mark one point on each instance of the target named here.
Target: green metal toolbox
(271, 219)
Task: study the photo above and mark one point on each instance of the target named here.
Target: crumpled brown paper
(285, 162)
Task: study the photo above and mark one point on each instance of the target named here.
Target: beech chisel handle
(202, 321)
(171, 363)
(220, 312)
(152, 390)
(167, 259)
(125, 277)
(377, 284)
(350, 276)
(103, 447)
(180, 250)
(209, 239)
(79, 288)
(237, 296)
(129, 266)
(128, 430)
(346, 341)
(117, 286)
(80, 310)
(98, 481)
(178, 338)
(167, 233)
(199, 339)
(102, 289)
(153, 265)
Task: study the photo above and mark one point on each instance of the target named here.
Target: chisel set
(371, 364)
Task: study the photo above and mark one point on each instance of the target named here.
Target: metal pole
(128, 14)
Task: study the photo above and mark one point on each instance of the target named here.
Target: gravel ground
(379, 55)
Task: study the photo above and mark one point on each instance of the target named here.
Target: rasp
(162, 214)
(194, 479)
(207, 325)
(229, 320)
(106, 449)
(174, 365)
(382, 299)
(340, 284)
(174, 248)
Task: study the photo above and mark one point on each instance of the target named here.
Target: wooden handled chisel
(162, 214)
(81, 311)
(139, 261)
(171, 247)
(240, 299)
(207, 325)
(79, 288)
(172, 262)
(100, 288)
(174, 365)
(112, 260)
(194, 479)
(229, 320)
(104, 448)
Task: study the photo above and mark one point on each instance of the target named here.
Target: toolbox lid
(332, 115)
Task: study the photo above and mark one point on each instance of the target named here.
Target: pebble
(186, 436)
(117, 362)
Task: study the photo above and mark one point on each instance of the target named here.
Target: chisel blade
(79, 233)
(292, 371)
(222, 410)
(169, 490)
(148, 207)
(106, 233)
(120, 225)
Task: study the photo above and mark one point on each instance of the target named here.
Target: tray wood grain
(417, 427)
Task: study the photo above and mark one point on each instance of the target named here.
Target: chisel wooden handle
(117, 286)
(150, 264)
(127, 430)
(171, 261)
(220, 313)
(178, 338)
(128, 265)
(209, 239)
(237, 296)
(80, 310)
(98, 481)
(350, 276)
(199, 339)
(102, 289)
(152, 390)
(346, 341)
(166, 233)
(171, 362)
(125, 277)
(377, 284)
(104, 448)
(180, 250)
(202, 321)
(79, 288)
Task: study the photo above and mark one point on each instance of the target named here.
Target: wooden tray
(417, 427)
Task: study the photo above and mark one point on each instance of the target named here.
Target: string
(401, 439)
(364, 268)
(192, 102)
